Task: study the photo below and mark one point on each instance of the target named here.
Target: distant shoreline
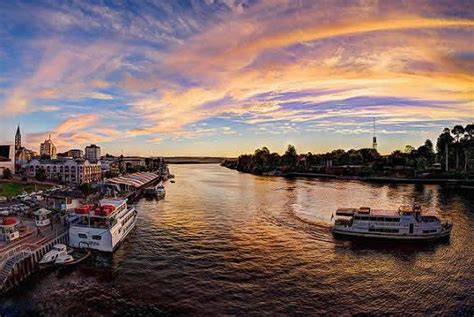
(194, 160)
(465, 184)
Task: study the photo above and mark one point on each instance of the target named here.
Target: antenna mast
(374, 139)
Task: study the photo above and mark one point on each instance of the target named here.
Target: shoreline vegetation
(451, 163)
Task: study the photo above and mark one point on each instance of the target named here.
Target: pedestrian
(38, 232)
(51, 224)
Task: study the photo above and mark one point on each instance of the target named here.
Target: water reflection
(226, 243)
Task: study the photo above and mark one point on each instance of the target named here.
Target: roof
(135, 179)
(116, 202)
(42, 212)
(63, 194)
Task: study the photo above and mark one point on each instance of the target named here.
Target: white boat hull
(372, 235)
(105, 240)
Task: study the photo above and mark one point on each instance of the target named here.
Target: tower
(374, 139)
(18, 138)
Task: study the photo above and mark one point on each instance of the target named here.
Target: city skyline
(221, 78)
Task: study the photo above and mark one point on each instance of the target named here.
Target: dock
(19, 258)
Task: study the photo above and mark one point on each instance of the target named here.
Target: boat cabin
(9, 229)
(100, 216)
(42, 217)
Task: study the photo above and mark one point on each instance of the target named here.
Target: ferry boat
(158, 190)
(104, 227)
(406, 223)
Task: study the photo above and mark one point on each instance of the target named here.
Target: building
(75, 153)
(48, 148)
(64, 200)
(92, 152)
(110, 166)
(18, 139)
(67, 170)
(7, 158)
(133, 163)
(22, 154)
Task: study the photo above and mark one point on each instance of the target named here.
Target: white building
(92, 152)
(7, 158)
(48, 148)
(67, 170)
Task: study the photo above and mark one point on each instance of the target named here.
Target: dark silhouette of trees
(409, 162)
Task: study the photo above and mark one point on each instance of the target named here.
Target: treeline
(452, 158)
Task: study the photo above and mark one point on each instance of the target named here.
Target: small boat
(53, 254)
(158, 190)
(73, 258)
(406, 223)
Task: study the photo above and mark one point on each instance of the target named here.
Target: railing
(13, 252)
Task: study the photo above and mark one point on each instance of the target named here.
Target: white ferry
(406, 223)
(102, 228)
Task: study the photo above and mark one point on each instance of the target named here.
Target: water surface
(226, 243)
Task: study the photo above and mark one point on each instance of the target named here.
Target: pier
(19, 259)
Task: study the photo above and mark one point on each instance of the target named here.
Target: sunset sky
(225, 77)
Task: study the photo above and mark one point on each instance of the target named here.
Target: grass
(14, 189)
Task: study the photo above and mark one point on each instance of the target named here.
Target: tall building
(22, 154)
(92, 152)
(18, 139)
(48, 148)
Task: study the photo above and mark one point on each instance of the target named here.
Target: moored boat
(158, 190)
(72, 258)
(406, 223)
(102, 227)
(51, 256)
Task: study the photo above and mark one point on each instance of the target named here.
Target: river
(227, 243)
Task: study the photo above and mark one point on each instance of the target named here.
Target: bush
(7, 174)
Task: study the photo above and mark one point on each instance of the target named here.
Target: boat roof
(42, 211)
(378, 212)
(116, 202)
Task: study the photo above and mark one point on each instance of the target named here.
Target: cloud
(267, 67)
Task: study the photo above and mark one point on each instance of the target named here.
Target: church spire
(18, 138)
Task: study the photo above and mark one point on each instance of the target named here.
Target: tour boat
(406, 223)
(51, 256)
(158, 190)
(104, 227)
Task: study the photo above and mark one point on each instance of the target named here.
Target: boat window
(94, 237)
(83, 236)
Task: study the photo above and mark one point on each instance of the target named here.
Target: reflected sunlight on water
(222, 242)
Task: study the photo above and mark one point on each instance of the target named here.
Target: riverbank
(466, 183)
(461, 182)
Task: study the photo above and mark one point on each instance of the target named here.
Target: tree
(7, 173)
(426, 151)
(408, 149)
(290, 156)
(40, 174)
(442, 146)
(458, 131)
